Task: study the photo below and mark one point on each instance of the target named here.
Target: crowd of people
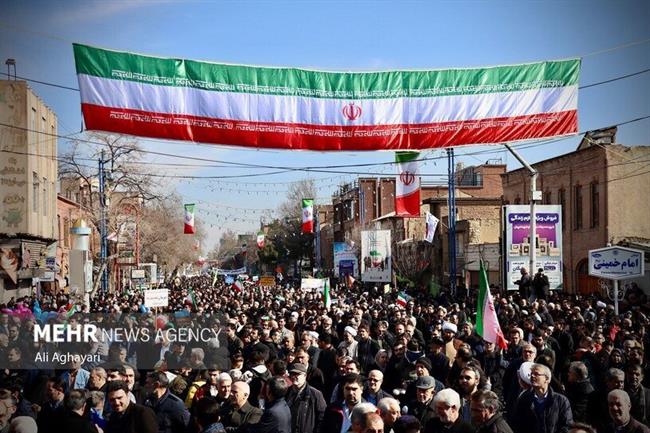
(276, 359)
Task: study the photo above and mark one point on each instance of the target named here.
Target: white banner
(376, 262)
(432, 225)
(156, 298)
(312, 283)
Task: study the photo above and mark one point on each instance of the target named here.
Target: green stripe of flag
(318, 84)
(483, 288)
(402, 157)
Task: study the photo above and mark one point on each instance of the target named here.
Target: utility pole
(451, 230)
(534, 195)
(317, 242)
(102, 225)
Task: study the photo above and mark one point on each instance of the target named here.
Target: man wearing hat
(422, 368)
(306, 403)
(449, 331)
(423, 409)
(349, 342)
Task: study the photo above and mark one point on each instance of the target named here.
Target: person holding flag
(487, 324)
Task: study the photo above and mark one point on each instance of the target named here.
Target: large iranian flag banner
(290, 108)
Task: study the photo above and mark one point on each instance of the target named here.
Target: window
(578, 208)
(595, 204)
(66, 232)
(35, 192)
(43, 139)
(33, 131)
(517, 200)
(561, 199)
(45, 185)
(547, 197)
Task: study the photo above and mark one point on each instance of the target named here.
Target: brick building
(603, 190)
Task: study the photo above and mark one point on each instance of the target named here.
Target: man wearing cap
(422, 368)
(423, 409)
(349, 343)
(306, 402)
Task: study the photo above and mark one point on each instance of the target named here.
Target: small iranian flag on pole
(326, 293)
(189, 219)
(307, 215)
(238, 286)
(487, 324)
(260, 239)
(189, 299)
(407, 186)
(403, 299)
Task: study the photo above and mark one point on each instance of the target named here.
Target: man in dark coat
(49, 417)
(639, 394)
(372, 392)
(540, 410)
(540, 284)
(525, 283)
(619, 410)
(74, 421)
(277, 415)
(337, 415)
(448, 420)
(172, 415)
(579, 390)
(486, 415)
(423, 407)
(128, 417)
(239, 413)
(306, 402)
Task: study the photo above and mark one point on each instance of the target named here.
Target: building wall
(628, 179)
(620, 209)
(28, 167)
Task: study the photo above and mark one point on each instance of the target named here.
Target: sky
(611, 37)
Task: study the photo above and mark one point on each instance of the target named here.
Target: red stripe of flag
(390, 137)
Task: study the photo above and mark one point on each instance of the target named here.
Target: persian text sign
(549, 243)
(290, 108)
(616, 263)
(156, 298)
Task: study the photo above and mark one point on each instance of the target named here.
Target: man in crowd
(238, 413)
(372, 392)
(337, 415)
(128, 417)
(390, 411)
(171, 413)
(486, 415)
(619, 410)
(424, 407)
(277, 415)
(447, 404)
(306, 402)
(540, 409)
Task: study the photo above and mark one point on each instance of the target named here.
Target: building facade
(28, 174)
(603, 190)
